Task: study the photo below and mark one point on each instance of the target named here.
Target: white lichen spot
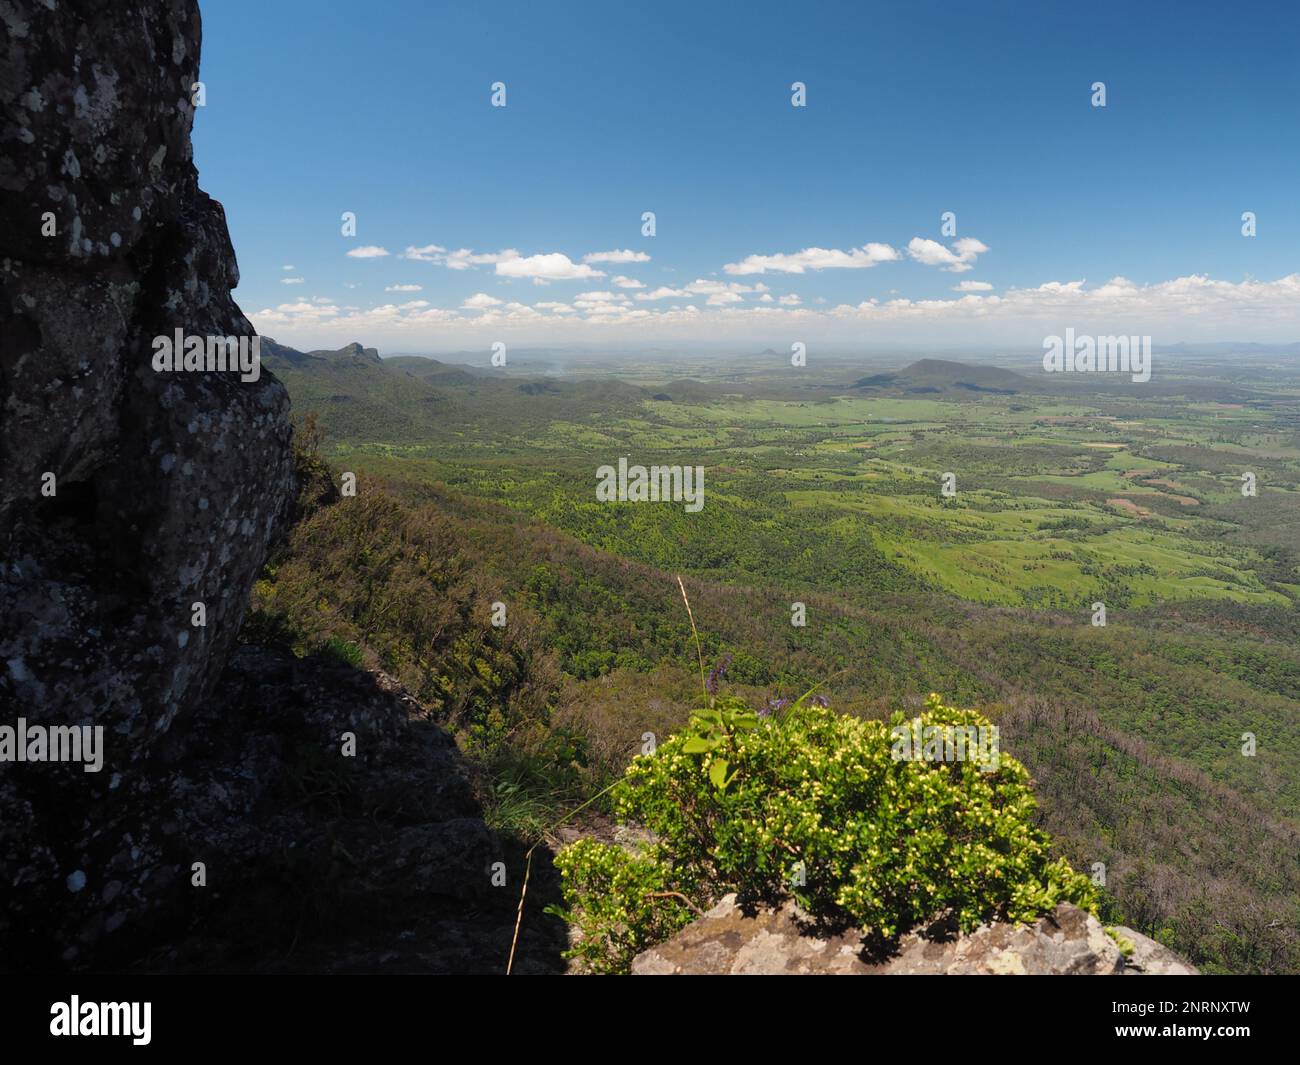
(71, 166)
(16, 26)
(168, 461)
(115, 239)
(105, 93)
(182, 639)
(135, 213)
(76, 881)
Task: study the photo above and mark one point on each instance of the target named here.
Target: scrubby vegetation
(812, 804)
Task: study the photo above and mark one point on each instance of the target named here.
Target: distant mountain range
(415, 398)
(410, 397)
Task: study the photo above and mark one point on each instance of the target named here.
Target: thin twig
(675, 895)
(528, 869)
(519, 913)
(698, 653)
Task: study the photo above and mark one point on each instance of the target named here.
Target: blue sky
(913, 109)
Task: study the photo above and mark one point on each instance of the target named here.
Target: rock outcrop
(127, 496)
(1068, 942)
(138, 504)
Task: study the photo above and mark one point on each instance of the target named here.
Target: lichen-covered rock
(729, 941)
(127, 495)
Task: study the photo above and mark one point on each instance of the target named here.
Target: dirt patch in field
(1129, 506)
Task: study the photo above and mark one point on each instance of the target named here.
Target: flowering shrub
(812, 804)
(627, 902)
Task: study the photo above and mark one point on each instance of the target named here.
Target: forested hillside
(477, 490)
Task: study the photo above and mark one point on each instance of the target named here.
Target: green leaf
(718, 773)
(699, 745)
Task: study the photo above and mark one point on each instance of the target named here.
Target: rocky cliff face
(729, 941)
(127, 495)
(137, 506)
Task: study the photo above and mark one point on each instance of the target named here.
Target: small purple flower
(820, 700)
(773, 705)
(717, 674)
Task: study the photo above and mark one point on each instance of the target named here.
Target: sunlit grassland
(1056, 502)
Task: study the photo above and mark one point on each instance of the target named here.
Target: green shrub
(344, 651)
(1126, 945)
(814, 805)
(622, 902)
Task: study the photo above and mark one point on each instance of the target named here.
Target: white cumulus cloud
(958, 259)
(663, 292)
(815, 259)
(555, 266)
(624, 255)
